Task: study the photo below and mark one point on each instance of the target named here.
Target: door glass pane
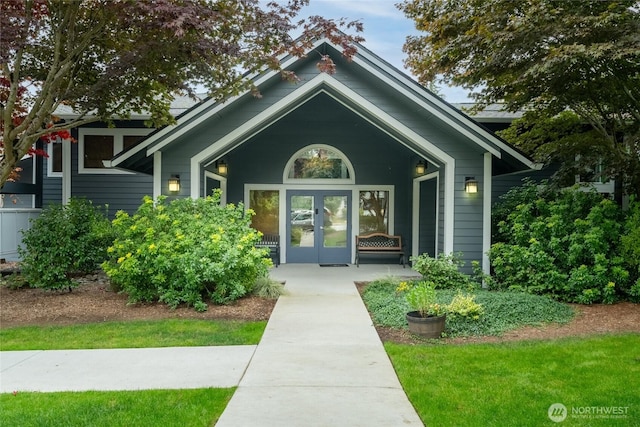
(374, 212)
(335, 222)
(302, 221)
(265, 203)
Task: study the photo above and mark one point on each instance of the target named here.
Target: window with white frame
(374, 211)
(319, 163)
(54, 162)
(597, 179)
(97, 145)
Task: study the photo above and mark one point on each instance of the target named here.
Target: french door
(319, 226)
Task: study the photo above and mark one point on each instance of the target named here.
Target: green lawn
(196, 407)
(514, 384)
(135, 334)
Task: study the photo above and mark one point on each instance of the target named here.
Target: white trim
(195, 116)
(328, 181)
(194, 191)
(449, 205)
(420, 101)
(415, 213)
(411, 94)
(223, 185)
(118, 135)
(157, 174)
(486, 213)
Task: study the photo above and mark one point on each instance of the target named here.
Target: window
(374, 212)
(97, 145)
(319, 163)
(54, 163)
(596, 178)
(266, 205)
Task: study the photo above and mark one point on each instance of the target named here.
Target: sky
(385, 30)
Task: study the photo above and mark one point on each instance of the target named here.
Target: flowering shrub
(64, 240)
(185, 252)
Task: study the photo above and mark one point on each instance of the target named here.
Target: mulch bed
(94, 301)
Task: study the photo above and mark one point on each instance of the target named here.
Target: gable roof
(139, 156)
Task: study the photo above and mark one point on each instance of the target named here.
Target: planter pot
(428, 327)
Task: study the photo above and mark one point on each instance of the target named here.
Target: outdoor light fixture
(420, 168)
(222, 167)
(174, 183)
(470, 185)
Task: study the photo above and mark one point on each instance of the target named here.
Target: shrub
(443, 271)
(185, 252)
(562, 243)
(630, 248)
(64, 240)
(14, 281)
(464, 305)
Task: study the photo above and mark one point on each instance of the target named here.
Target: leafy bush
(443, 271)
(630, 248)
(502, 311)
(186, 251)
(563, 243)
(64, 240)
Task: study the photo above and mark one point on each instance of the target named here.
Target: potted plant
(428, 317)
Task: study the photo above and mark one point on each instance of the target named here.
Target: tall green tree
(111, 58)
(545, 56)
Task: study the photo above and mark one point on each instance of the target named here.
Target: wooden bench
(271, 242)
(379, 243)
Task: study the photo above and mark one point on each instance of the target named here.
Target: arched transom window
(317, 163)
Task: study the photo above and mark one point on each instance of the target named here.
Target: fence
(12, 222)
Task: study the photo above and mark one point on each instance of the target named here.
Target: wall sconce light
(222, 167)
(420, 168)
(470, 185)
(174, 183)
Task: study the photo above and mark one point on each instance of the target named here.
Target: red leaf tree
(112, 58)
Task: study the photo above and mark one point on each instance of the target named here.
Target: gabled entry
(367, 119)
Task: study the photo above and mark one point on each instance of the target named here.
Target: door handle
(316, 211)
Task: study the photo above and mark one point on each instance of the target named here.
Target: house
(320, 161)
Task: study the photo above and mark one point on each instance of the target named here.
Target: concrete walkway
(319, 363)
